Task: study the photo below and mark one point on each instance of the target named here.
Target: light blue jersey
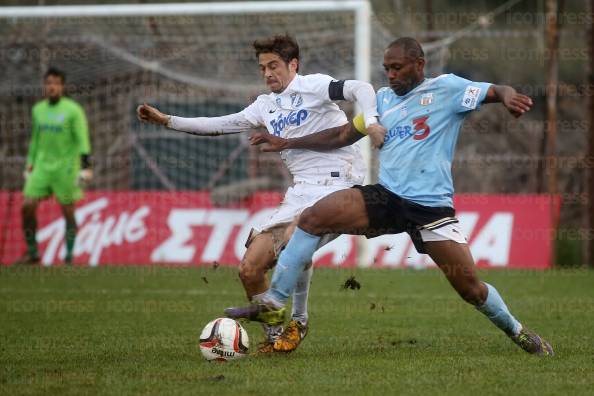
(422, 130)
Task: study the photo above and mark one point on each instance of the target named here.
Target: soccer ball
(223, 339)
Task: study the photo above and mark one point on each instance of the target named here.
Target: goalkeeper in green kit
(58, 161)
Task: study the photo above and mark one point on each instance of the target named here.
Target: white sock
(300, 295)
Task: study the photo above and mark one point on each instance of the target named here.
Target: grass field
(125, 330)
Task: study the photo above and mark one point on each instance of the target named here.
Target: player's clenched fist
(150, 114)
(377, 134)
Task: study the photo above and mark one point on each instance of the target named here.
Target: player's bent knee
(473, 294)
(248, 272)
(310, 221)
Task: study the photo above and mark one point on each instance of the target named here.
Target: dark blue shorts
(389, 213)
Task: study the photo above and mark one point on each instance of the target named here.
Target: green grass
(125, 330)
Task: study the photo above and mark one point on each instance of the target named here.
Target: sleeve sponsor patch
(471, 96)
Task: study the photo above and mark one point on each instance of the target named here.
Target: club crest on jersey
(278, 101)
(426, 99)
(296, 99)
(403, 111)
(282, 122)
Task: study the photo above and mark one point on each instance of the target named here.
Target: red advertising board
(510, 231)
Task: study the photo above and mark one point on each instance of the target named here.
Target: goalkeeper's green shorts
(63, 184)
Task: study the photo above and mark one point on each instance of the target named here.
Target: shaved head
(411, 47)
(404, 61)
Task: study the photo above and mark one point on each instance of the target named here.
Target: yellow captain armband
(359, 124)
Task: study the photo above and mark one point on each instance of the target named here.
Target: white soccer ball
(223, 339)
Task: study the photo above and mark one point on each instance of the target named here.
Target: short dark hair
(284, 46)
(411, 47)
(54, 71)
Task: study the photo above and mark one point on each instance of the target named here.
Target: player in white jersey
(423, 117)
(297, 106)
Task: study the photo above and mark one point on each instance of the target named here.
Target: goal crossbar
(164, 9)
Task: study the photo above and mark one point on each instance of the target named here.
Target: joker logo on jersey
(283, 121)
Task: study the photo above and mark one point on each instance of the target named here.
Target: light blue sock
(496, 310)
(300, 295)
(291, 263)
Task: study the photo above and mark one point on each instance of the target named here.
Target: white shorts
(298, 198)
(449, 232)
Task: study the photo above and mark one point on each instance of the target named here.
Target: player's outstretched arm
(363, 94)
(202, 126)
(328, 139)
(516, 103)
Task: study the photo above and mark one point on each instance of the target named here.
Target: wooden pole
(429, 12)
(551, 68)
(590, 154)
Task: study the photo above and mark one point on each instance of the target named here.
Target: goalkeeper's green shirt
(60, 135)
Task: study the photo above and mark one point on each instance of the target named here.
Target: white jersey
(303, 108)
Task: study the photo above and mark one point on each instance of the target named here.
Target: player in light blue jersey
(423, 126)
(422, 117)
